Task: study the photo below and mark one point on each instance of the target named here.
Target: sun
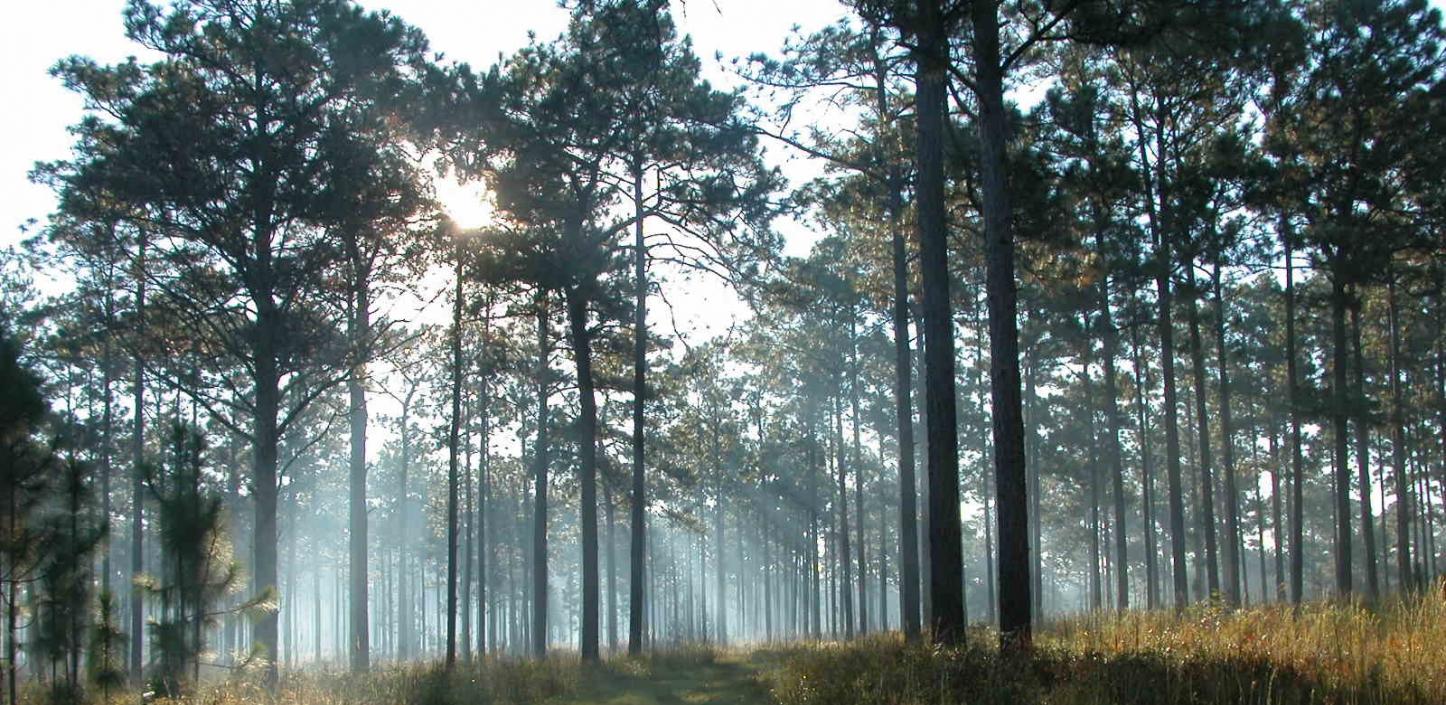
(466, 203)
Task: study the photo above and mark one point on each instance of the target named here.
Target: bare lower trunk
(539, 512)
(587, 466)
(1342, 476)
(1398, 445)
(1009, 461)
(638, 508)
(360, 650)
(946, 580)
(1363, 450)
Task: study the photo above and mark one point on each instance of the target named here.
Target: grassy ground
(1327, 654)
(1322, 654)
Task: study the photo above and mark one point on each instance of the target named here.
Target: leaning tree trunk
(587, 467)
(1012, 508)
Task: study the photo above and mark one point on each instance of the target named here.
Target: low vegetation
(1331, 654)
(1325, 653)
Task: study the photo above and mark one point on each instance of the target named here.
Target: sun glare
(466, 203)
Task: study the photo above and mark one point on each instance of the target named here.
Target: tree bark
(1297, 461)
(138, 460)
(1340, 401)
(638, 509)
(1363, 451)
(1012, 508)
(1202, 432)
(1398, 443)
(946, 580)
(1110, 349)
(360, 650)
(453, 439)
(540, 463)
(587, 466)
(1227, 449)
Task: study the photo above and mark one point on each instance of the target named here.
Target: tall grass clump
(1338, 653)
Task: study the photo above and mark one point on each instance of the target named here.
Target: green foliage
(198, 568)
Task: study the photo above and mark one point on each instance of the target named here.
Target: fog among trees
(1096, 307)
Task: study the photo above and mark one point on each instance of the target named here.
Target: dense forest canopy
(1104, 306)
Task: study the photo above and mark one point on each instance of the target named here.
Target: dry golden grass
(1321, 654)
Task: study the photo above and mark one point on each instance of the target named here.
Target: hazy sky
(36, 34)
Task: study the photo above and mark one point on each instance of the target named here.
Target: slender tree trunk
(1340, 400)
(266, 378)
(639, 493)
(612, 550)
(1202, 432)
(360, 650)
(540, 463)
(587, 465)
(138, 460)
(1147, 474)
(1227, 450)
(1398, 443)
(1009, 461)
(405, 618)
(1297, 462)
(860, 545)
(1109, 338)
(453, 440)
(468, 511)
(903, 383)
(1363, 451)
(841, 537)
(946, 578)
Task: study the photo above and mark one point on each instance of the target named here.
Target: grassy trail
(729, 680)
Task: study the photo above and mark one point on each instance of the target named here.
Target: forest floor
(1319, 654)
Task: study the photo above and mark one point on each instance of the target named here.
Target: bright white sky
(34, 128)
(37, 34)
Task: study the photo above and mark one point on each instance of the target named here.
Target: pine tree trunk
(1398, 443)
(138, 460)
(360, 650)
(1109, 350)
(841, 536)
(1363, 451)
(266, 379)
(540, 467)
(1227, 450)
(1339, 402)
(903, 385)
(1202, 433)
(1009, 461)
(1297, 461)
(638, 507)
(946, 580)
(587, 466)
(453, 439)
